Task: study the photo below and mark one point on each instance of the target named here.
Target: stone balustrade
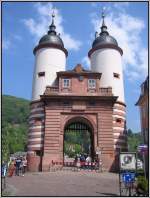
(103, 91)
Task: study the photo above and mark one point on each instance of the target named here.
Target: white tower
(50, 57)
(106, 58)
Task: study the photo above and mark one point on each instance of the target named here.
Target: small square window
(40, 74)
(66, 82)
(92, 103)
(66, 103)
(39, 153)
(118, 120)
(37, 121)
(116, 75)
(80, 78)
(92, 83)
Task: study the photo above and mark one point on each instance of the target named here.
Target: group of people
(16, 166)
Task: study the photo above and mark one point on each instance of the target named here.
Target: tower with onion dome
(50, 57)
(106, 58)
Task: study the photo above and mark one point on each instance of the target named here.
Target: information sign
(127, 161)
(128, 177)
(143, 148)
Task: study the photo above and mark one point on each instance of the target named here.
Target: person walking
(88, 162)
(11, 168)
(24, 161)
(4, 171)
(21, 168)
(18, 162)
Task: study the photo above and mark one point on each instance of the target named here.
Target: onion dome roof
(52, 37)
(104, 40)
(103, 37)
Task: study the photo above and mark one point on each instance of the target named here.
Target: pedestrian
(88, 161)
(24, 165)
(21, 168)
(11, 168)
(4, 171)
(18, 162)
(82, 159)
(78, 164)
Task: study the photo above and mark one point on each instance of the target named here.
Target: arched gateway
(79, 137)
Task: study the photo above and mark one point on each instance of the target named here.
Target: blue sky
(23, 23)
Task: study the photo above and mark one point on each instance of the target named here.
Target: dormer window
(91, 83)
(66, 82)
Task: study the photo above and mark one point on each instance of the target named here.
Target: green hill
(15, 112)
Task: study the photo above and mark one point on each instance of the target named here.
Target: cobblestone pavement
(64, 183)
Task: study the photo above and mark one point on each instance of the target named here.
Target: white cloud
(17, 37)
(6, 44)
(85, 60)
(128, 31)
(121, 6)
(38, 27)
(10, 43)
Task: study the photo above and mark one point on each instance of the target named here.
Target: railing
(105, 91)
(51, 90)
(75, 166)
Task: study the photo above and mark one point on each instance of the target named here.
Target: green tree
(15, 112)
(134, 140)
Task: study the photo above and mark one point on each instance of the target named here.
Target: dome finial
(103, 16)
(103, 27)
(53, 16)
(52, 27)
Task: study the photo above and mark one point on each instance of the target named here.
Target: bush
(142, 184)
(140, 172)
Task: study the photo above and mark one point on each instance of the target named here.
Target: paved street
(64, 183)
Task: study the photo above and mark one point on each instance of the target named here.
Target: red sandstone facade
(75, 101)
(143, 105)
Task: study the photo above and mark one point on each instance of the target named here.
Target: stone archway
(81, 131)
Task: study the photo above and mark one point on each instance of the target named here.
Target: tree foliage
(15, 112)
(76, 142)
(134, 140)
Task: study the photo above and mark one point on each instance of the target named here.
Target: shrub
(142, 184)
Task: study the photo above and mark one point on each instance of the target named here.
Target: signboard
(128, 177)
(127, 161)
(143, 148)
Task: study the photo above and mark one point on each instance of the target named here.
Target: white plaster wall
(50, 61)
(108, 61)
